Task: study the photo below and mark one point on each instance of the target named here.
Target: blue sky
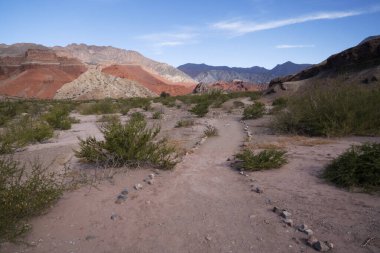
(217, 32)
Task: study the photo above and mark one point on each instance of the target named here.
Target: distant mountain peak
(255, 74)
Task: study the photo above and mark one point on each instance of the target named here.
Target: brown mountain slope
(153, 82)
(37, 74)
(107, 55)
(363, 56)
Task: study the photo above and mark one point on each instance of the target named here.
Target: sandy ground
(203, 205)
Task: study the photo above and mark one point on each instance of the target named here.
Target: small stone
(312, 240)
(150, 181)
(289, 222)
(321, 246)
(120, 198)
(228, 159)
(114, 216)
(276, 210)
(285, 214)
(241, 172)
(151, 176)
(309, 232)
(157, 171)
(208, 238)
(303, 227)
(259, 190)
(124, 192)
(90, 237)
(138, 187)
(330, 244)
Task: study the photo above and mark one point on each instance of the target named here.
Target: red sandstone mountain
(35, 71)
(151, 81)
(39, 73)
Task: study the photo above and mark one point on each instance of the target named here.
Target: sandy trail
(205, 206)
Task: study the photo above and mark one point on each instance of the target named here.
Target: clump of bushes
(254, 111)
(23, 131)
(164, 94)
(128, 144)
(358, 167)
(279, 104)
(23, 195)
(108, 118)
(105, 106)
(335, 110)
(200, 109)
(58, 117)
(157, 115)
(210, 131)
(184, 123)
(265, 159)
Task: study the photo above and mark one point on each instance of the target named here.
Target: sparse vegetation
(108, 118)
(266, 159)
(254, 111)
(23, 131)
(105, 106)
(335, 110)
(24, 193)
(128, 144)
(359, 167)
(211, 131)
(157, 115)
(200, 109)
(58, 117)
(185, 123)
(279, 104)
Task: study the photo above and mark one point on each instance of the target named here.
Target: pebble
(321, 246)
(114, 216)
(285, 214)
(288, 222)
(125, 191)
(303, 227)
(138, 187)
(151, 176)
(259, 190)
(308, 232)
(312, 240)
(208, 238)
(150, 181)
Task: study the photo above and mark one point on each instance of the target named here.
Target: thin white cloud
(238, 27)
(285, 46)
(160, 40)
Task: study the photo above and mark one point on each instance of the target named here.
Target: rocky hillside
(366, 55)
(100, 55)
(359, 64)
(94, 84)
(259, 75)
(35, 71)
(38, 73)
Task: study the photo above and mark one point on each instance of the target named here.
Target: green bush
(58, 117)
(24, 195)
(211, 131)
(128, 144)
(164, 94)
(157, 115)
(105, 106)
(184, 123)
(108, 118)
(254, 111)
(335, 110)
(200, 109)
(23, 131)
(266, 159)
(279, 104)
(359, 166)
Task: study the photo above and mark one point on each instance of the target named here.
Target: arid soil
(203, 205)
(153, 82)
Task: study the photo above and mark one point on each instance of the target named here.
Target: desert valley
(103, 149)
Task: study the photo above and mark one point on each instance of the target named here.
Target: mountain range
(80, 71)
(259, 75)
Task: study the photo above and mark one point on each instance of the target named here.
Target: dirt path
(205, 206)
